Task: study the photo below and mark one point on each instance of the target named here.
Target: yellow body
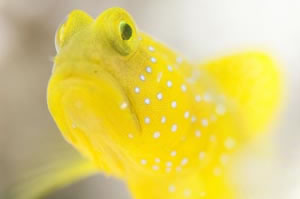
(141, 112)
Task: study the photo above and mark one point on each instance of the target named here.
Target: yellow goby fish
(141, 112)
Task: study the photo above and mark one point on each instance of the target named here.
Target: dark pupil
(126, 31)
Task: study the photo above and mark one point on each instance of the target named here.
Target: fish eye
(124, 37)
(125, 30)
(120, 30)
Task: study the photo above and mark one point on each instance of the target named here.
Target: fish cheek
(98, 118)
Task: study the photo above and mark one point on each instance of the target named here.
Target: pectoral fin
(252, 80)
(50, 177)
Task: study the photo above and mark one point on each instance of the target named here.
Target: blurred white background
(200, 29)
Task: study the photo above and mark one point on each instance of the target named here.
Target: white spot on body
(157, 160)
(143, 162)
(186, 114)
(229, 143)
(204, 122)
(174, 104)
(224, 159)
(159, 76)
(159, 96)
(183, 87)
(193, 119)
(142, 77)
(174, 128)
(137, 90)
(212, 138)
(130, 135)
(155, 167)
(170, 68)
(168, 169)
(151, 48)
(153, 59)
(163, 119)
(187, 193)
(169, 83)
(148, 69)
(179, 60)
(173, 153)
(197, 98)
(207, 97)
(123, 105)
(201, 155)
(156, 134)
(197, 133)
(220, 109)
(171, 188)
(169, 164)
(147, 101)
(184, 161)
(147, 120)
